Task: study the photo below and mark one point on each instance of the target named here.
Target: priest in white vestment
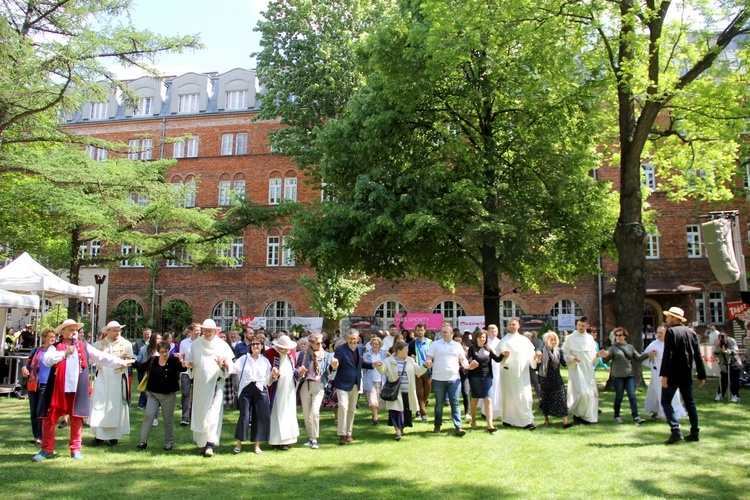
(517, 397)
(210, 362)
(581, 355)
(110, 415)
(493, 340)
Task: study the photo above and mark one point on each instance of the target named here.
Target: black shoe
(567, 426)
(692, 437)
(284, 447)
(506, 424)
(674, 438)
(460, 432)
(97, 442)
(142, 446)
(112, 442)
(184, 422)
(530, 427)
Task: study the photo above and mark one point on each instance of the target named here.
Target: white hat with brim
(209, 324)
(112, 324)
(284, 342)
(676, 312)
(68, 322)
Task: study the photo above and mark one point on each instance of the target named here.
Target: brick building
(205, 121)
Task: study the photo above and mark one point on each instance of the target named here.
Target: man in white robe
(493, 340)
(210, 362)
(516, 395)
(580, 354)
(110, 415)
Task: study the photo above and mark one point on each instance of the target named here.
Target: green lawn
(601, 461)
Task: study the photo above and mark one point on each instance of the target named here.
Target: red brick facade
(255, 285)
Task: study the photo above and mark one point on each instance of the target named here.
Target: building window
(240, 147)
(187, 192)
(652, 246)
(274, 191)
(236, 99)
(566, 306)
(278, 316)
(132, 259)
(98, 154)
(700, 308)
(290, 189)
(225, 314)
(649, 176)
(144, 106)
(226, 144)
(139, 199)
(192, 147)
(225, 193)
(90, 250)
(509, 309)
(287, 256)
(272, 251)
(388, 310)
(694, 241)
(450, 310)
(147, 146)
(180, 259)
(179, 149)
(134, 145)
(98, 111)
(239, 190)
(188, 103)
(716, 308)
(233, 250)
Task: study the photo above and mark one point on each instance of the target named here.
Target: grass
(602, 461)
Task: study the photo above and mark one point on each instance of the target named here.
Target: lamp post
(99, 280)
(159, 294)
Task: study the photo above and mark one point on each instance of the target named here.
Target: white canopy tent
(25, 274)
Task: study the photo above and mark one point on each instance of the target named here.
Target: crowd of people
(265, 378)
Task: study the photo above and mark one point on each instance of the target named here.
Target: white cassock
(495, 392)
(516, 399)
(583, 394)
(110, 415)
(653, 394)
(284, 429)
(208, 388)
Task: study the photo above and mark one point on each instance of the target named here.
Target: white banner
(311, 324)
(566, 322)
(470, 323)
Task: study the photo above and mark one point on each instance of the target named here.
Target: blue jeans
(686, 389)
(628, 385)
(453, 390)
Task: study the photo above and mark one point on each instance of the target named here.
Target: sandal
(236, 450)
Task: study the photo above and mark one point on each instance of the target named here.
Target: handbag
(143, 384)
(391, 390)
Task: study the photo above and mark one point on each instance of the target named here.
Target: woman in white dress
(284, 429)
(372, 381)
(655, 350)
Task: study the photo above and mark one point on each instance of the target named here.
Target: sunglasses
(620, 335)
(255, 344)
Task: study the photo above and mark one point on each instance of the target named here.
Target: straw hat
(112, 324)
(676, 312)
(68, 322)
(209, 324)
(284, 342)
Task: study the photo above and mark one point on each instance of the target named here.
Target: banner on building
(410, 321)
(253, 322)
(470, 323)
(738, 324)
(368, 323)
(566, 322)
(310, 324)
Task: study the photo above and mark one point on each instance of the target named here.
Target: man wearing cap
(681, 351)
(110, 415)
(67, 390)
(209, 362)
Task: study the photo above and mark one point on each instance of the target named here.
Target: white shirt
(445, 359)
(252, 371)
(185, 346)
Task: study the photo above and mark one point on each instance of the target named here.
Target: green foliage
(129, 313)
(54, 317)
(335, 294)
(176, 315)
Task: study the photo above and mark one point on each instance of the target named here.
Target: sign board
(253, 322)
(311, 324)
(410, 321)
(566, 322)
(470, 323)
(739, 324)
(369, 323)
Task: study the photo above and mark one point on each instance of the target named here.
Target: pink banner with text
(411, 320)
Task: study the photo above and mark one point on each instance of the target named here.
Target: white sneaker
(155, 423)
(718, 398)
(735, 399)
(618, 420)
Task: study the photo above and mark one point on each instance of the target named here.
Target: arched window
(451, 310)
(278, 316)
(509, 309)
(388, 310)
(566, 306)
(225, 313)
(129, 313)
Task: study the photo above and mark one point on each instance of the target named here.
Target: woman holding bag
(400, 366)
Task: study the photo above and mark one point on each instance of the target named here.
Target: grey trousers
(167, 403)
(186, 389)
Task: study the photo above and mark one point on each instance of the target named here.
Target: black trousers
(253, 401)
(733, 382)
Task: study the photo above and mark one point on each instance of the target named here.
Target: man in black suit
(681, 351)
(348, 363)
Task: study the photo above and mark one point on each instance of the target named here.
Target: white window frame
(278, 316)
(290, 189)
(387, 311)
(239, 189)
(145, 106)
(227, 141)
(225, 313)
(236, 250)
(98, 111)
(700, 308)
(274, 191)
(694, 243)
(652, 246)
(131, 252)
(716, 308)
(240, 142)
(182, 260)
(179, 149)
(147, 147)
(188, 103)
(236, 99)
(450, 310)
(287, 256)
(273, 251)
(96, 154)
(192, 147)
(566, 306)
(134, 146)
(225, 193)
(649, 175)
(509, 309)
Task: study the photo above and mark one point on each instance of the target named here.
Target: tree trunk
(330, 326)
(490, 287)
(74, 270)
